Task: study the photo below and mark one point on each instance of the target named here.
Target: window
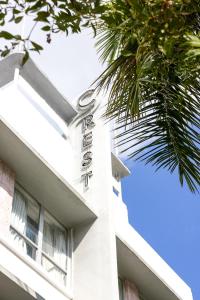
(128, 290)
(121, 290)
(115, 191)
(39, 235)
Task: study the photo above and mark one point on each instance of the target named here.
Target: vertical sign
(85, 103)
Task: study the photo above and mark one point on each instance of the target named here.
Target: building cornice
(39, 81)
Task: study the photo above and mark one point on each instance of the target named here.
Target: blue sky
(168, 218)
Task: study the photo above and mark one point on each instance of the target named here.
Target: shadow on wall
(80, 232)
(11, 287)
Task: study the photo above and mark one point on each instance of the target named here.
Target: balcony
(139, 263)
(41, 180)
(119, 170)
(12, 288)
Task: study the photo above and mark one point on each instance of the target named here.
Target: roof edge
(39, 82)
(156, 265)
(118, 167)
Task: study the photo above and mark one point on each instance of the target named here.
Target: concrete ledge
(31, 73)
(138, 262)
(118, 168)
(41, 180)
(12, 286)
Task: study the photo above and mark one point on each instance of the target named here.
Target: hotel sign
(85, 104)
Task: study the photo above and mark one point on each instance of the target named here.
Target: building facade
(64, 230)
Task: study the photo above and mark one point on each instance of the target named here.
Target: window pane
(54, 271)
(32, 222)
(31, 251)
(22, 244)
(24, 232)
(121, 293)
(24, 222)
(54, 241)
(19, 212)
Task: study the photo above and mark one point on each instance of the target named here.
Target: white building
(64, 230)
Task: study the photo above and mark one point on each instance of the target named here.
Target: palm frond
(154, 89)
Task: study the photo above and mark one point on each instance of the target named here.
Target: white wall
(22, 108)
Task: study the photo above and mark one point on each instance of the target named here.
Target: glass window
(54, 257)
(115, 191)
(24, 223)
(32, 224)
(27, 219)
(121, 292)
(128, 291)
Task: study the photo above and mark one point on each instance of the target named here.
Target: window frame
(27, 240)
(38, 247)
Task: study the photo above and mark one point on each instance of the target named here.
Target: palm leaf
(154, 91)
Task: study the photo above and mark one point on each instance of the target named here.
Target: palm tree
(153, 52)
